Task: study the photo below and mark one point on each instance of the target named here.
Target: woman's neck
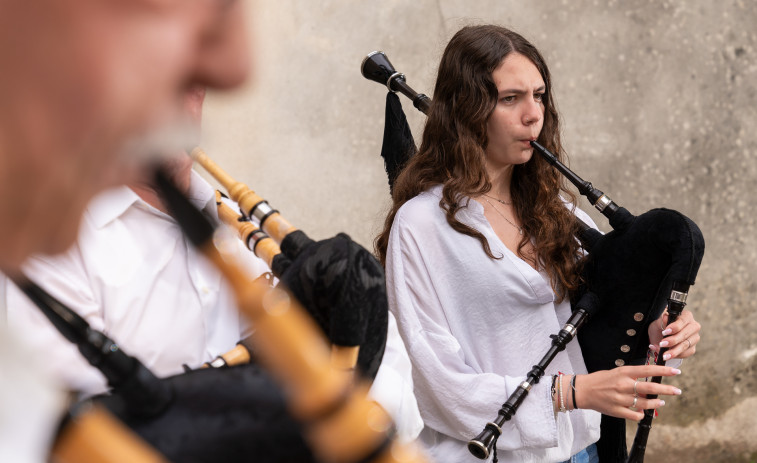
(500, 178)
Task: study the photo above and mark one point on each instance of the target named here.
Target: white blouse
(473, 327)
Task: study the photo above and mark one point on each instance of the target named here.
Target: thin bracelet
(557, 395)
(553, 394)
(552, 389)
(562, 394)
(573, 387)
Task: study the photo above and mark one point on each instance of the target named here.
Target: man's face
(82, 83)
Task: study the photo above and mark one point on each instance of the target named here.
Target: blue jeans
(587, 455)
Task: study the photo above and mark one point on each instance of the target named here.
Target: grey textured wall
(658, 101)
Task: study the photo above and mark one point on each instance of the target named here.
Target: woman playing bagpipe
(481, 260)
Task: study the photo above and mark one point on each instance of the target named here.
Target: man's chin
(46, 241)
(61, 242)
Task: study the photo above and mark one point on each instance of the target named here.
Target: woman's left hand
(680, 337)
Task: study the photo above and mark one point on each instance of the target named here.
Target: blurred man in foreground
(85, 84)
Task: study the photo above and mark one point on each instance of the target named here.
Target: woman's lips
(526, 142)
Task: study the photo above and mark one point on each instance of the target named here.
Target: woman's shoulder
(423, 205)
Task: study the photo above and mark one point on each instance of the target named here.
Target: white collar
(113, 203)
(465, 201)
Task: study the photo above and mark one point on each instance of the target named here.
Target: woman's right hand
(611, 392)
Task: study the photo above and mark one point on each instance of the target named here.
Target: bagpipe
(630, 275)
(294, 404)
(339, 282)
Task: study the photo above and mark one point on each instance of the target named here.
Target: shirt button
(619, 363)
(631, 332)
(625, 348)
(205, 290)
(638, 316)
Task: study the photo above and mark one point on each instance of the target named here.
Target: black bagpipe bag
(631, 270)
(235, 414)
(342, 286)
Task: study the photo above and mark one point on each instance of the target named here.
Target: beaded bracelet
(562, 394)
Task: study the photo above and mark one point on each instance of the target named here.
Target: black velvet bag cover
(235, 414)
(632, 269)
(342, 286)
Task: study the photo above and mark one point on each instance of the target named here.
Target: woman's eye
(508, 99)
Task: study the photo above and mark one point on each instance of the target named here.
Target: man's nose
(222, 58)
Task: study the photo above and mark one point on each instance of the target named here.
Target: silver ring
(662, 328)
(635, 383)
(687, 340)
(634, 402)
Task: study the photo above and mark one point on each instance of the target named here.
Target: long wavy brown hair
(452, 154)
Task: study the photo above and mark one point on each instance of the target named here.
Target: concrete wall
(658, 101)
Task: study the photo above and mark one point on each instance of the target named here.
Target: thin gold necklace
(520, 229)
(499, 200)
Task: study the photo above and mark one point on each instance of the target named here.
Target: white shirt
(474, 327)
(393, 386)
(31, 404)
(133, 275)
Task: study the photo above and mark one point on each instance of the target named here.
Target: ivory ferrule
(262, 211)
(570, 329)
(495, 427)
(678, 296)
(396, 75)
(602, 203)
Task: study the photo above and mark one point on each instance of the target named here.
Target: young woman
(480, 255)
